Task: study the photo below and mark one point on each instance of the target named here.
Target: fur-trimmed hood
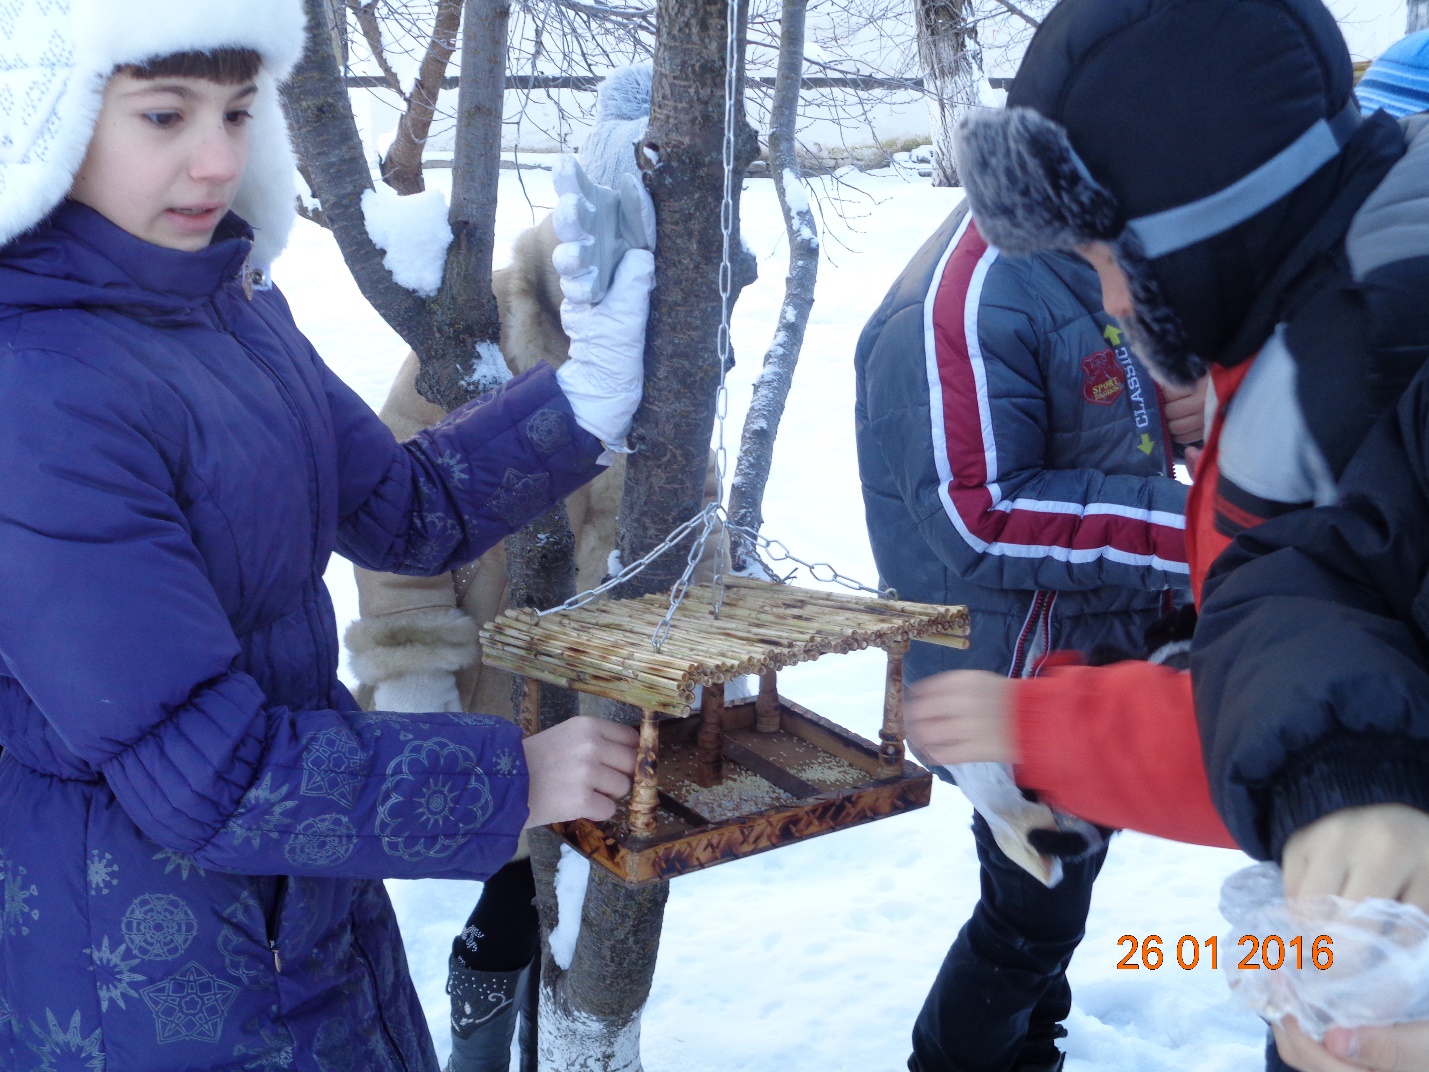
(1206, 141)
(59, 54)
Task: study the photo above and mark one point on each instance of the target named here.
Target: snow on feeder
(742, 777)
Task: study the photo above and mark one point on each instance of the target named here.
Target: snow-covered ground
(817, 957)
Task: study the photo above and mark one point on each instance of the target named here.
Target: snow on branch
(415, 233)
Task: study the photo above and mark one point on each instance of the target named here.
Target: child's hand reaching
(579, 769)
(963, 716)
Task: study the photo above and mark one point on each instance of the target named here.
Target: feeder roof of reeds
(605, 648)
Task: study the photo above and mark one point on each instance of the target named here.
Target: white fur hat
(57, 55)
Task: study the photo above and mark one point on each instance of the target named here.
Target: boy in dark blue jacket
(195, 817)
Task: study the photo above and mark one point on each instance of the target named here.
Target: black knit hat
(1183, 132)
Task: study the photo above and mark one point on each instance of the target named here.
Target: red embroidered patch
(1105, 379)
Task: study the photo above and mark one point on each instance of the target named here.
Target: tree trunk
(952, 75)
(402, 166)
(771, 390)
(1418, 16)
(591, 1013)
(337, 21)
(325, 134)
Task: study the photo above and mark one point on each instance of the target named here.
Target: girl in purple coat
(195, 817)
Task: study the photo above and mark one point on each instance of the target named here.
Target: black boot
(483, 1018)
(529, 999)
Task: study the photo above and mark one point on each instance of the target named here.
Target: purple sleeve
(115, 633)
(451, 492)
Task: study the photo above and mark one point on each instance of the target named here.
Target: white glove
(607, 271)
(1011, 817)
(605, 375)
(418, 693)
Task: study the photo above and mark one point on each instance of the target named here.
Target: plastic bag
(1356, 964)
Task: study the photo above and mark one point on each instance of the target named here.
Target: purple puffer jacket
(194, 814)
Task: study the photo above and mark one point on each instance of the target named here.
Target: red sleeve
(1118, 745)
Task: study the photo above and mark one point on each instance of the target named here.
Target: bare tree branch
(1014, 9)
(402, 166)
(320, 116)
(372, 31)
(771, 390)
(466, 304)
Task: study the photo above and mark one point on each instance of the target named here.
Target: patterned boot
(483, 1018)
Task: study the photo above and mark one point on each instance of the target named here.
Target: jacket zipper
(377, 995)
(275, 915)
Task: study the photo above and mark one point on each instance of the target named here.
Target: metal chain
(637, 567)
(819, 571)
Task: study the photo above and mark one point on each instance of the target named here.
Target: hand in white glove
(418, 693)
(607, 271)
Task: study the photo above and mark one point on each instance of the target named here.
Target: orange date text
(1270, 953)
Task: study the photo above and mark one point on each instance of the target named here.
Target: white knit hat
(56, 57)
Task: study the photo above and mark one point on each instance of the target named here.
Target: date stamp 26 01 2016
(1270, 953)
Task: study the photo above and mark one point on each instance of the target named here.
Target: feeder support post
(890, 737)
(710, 739)
(645, 797)
(766, 705)
(530, 706)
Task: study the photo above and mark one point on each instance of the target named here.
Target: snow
(817, 957)
(572, 875)
(414, 232)
(490, 370)
(798, 199)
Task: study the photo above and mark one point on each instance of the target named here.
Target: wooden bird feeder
(743, 777)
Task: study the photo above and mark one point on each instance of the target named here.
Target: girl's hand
(579, 769)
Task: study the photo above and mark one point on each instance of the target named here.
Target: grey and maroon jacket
(1014, 457)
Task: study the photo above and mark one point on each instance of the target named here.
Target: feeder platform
(741, 778)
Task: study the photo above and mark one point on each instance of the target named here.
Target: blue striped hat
(1398, 81)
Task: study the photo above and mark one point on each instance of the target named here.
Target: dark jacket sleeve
(1309, 664)
(114, 631)
(458, 488)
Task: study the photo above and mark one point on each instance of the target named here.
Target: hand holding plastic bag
(1376, 972)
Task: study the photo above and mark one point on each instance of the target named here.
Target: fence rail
(520, 82)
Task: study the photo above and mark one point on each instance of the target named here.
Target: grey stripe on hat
(1176, 228)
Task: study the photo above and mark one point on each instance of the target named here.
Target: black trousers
(503, 932)
(1002, 993)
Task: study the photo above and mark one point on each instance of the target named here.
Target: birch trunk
(771, 390)
(1418, 16)
(952, 75)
